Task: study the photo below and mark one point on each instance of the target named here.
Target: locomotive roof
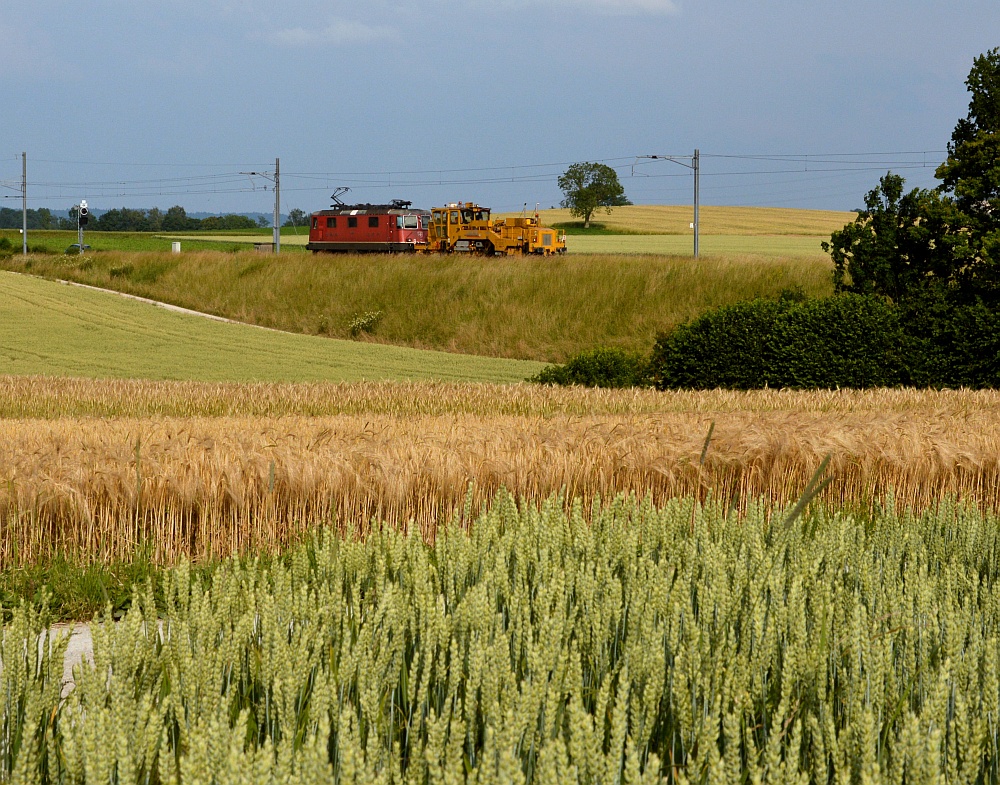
(363, 209)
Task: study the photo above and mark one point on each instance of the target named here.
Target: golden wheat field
(712, 219)
(99, 469)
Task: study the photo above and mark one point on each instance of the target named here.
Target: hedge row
(849, 340)
(846, 341)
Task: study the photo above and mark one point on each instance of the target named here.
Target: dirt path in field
(81, 646)
(167, 306)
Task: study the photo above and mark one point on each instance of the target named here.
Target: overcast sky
(791, 102)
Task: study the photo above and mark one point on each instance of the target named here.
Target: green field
(54, 329)
(778, 246)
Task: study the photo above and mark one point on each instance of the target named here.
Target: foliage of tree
(123, 219)
(228, 221)
(847, 341)
(900, 243)
(590, 186)
(297, 217)
(945, 241)
(37, 219)
(176, 220)
(972, 169)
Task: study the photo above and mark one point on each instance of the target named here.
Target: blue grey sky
(797, 104)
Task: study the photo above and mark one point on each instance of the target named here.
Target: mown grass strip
(52, 329)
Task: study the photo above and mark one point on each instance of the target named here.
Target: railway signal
(82, 216)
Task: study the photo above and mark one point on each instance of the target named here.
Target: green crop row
(633, 644)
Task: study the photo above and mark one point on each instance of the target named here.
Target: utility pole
(277, 205)
(276, 179)
(24, 203)
(695, 167)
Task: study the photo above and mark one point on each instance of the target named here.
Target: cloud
(338, 31)
(608, 7)
(625, 6)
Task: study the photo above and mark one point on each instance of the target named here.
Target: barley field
(99, 469)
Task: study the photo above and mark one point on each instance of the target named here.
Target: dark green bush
(951, 345)
(722, 348)
(603, 367)
(844, 341)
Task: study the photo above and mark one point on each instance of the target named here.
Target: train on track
(461, 227)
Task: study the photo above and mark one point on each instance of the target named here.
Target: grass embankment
(205, 470)
(53, 329)
(544, 310)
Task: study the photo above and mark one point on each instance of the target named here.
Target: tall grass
(545, 310)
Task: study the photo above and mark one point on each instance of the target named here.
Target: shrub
(951, 345)
(367, 322)
(602, 367)
(722, 348)
(845, 341)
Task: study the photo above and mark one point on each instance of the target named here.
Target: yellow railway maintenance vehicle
(467, 228)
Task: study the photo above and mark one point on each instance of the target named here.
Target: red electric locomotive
(368, 228)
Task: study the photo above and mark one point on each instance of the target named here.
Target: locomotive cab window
(409, 221)
(352, 222)
(373, 221)
(331, 222)
(315, 222)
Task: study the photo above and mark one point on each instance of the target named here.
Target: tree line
(125, 219)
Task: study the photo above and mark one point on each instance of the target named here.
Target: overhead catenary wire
(231, 178)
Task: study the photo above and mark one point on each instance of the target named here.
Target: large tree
(588, 187)
(901, 243)
(296, 217)
(945, 241)
(972, 170)
(175, 220)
